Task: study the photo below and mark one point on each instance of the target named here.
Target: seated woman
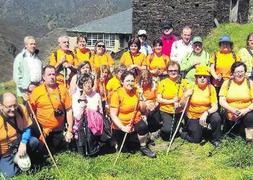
(83, 68)
(88, 115)
(236, 98)
(126, 116)
(169, 92)
(202, 109)
(114, 83)
(148, 98)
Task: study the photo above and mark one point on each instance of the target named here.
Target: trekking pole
(179, 122)
(211, 153)
(124, 139)
(44, 140)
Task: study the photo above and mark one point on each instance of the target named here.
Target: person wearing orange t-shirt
(126, 115)
(50, 102)
(202, 109)
(114, 83)
(133, 59)
(15, 136)
(101, 57)
(157, 63)
(81, 53)
(63, 61)
(169, 93)
(222, 61)
(236, 95)
(148, 99)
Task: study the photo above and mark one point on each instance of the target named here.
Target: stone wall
(200, 14)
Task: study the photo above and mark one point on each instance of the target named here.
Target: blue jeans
(7, 166)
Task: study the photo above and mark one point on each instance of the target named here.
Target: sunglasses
(101, 46)
(201, 76)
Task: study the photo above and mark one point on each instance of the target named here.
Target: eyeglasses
(101, 46)
(142, 35)
(171, 71)
(14, 106)
(201, 76)
(239, 72)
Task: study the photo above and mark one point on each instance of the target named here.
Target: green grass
(237, 32)
(185, 161)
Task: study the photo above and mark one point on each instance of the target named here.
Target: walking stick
(211, 153)
(179, 122)
(41, 133)
(124, 139)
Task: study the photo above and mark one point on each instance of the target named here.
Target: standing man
(191, 60)
(167, 38)
(63, 60)
(182, 46)
(27, 67)
(15, 136)
(145, 48)
(50, 102)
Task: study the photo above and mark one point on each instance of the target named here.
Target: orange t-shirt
(57, 56)
(149, 93)
(237, 95)
(40, 101)
(126, 104)
(200, 101)
(97, 61)
(81, 56)
(155, 62)
(223, 63)
(169, 90)
(139, 59)
(23, 121)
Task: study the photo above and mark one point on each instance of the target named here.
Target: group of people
(82, 96)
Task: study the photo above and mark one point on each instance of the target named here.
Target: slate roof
(120, 23)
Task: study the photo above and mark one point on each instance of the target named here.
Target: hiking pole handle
(179, 122)
(44, 139)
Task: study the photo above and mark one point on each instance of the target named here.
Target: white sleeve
(173, 54)
(77, 107)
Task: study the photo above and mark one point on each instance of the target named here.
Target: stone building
(200, 14)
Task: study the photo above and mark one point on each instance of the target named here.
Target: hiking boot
(249, 142)
(147, 152)
(183, 135)
(216, 144)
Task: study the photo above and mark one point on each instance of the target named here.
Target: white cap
(24, 163)
(142, 32)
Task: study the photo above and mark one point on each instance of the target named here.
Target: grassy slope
(186, 161)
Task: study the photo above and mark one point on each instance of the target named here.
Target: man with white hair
(27, 67)
(63, 60)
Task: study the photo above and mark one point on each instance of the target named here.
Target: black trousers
(56, 141)
(195, 130)
(168, 124)
(242, 123)
(132, 141)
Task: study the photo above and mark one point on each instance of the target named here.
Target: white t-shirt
(179, 49)
(34, 65)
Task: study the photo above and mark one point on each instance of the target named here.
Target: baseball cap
(167, 25)
(142, 32)
(197, 39)
(24, 163)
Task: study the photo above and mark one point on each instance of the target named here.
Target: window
(108, 39)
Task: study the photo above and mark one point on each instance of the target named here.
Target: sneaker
(147, 152)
